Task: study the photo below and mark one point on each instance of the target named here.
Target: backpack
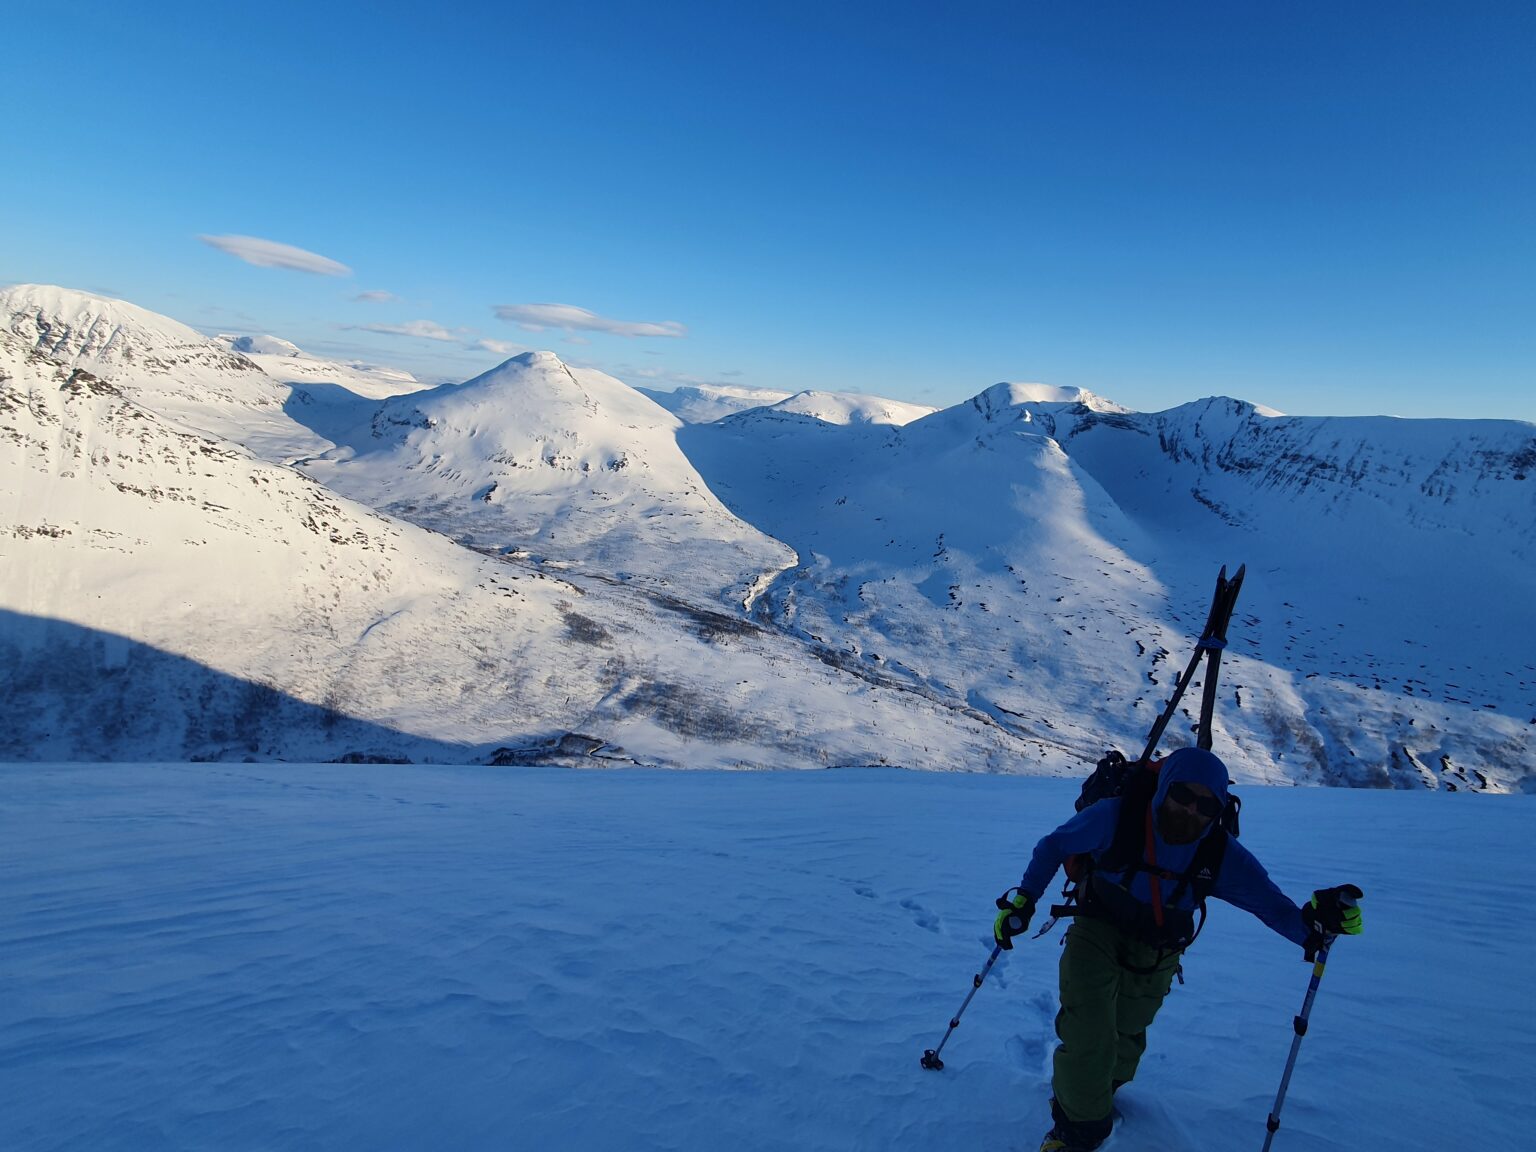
(1090, 889)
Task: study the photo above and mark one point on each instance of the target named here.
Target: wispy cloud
(569, 318)
(466, 338)
(271, 254)
(421, 329)
(376, 296)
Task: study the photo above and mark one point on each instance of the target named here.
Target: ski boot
(1074, 1135)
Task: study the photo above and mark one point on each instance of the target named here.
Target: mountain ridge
(1022, 568)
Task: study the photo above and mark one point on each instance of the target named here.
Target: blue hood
(1192, 766)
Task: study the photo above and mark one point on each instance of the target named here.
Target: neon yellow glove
(1335, 911)
(1014, 918)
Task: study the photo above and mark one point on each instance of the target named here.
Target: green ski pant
(1106, 1009)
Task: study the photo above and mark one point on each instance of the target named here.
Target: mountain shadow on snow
(79, 694)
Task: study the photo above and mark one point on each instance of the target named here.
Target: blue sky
(1326, 208)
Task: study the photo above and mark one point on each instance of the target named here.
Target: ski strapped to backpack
(1089, 889)
(1213, 641)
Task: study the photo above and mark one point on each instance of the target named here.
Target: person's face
(1186, 811)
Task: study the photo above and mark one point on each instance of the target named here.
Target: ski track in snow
(318, 957)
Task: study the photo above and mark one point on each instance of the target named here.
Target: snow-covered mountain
(562, 463)
(849, 408)
(1009, 583)
(260, 345)
(186, 377)
(200, 384)
(319, 378)
(704, 403)
(1066, 548)
(166, 595)
(77, 329)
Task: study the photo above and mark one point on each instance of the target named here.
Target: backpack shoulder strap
(1128, 848)
(1206, 865)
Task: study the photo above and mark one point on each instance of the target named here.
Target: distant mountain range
(226, 549)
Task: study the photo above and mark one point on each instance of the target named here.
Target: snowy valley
(226, 549)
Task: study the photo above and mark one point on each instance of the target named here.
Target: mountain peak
(849, 408)
(84, 330)
(532, 394)
(535, 359)
(259, 345)
(1016, 395)
(65, 324)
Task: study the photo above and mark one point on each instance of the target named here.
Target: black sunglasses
(1207, 806)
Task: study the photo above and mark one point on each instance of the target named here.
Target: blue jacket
(1242, 880)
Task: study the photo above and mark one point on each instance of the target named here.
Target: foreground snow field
(326, 957)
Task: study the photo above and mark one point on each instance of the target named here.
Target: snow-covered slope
(974, 562)
(164, 365)
(704, 403)
(1394, 559)
(287, 363)
(410, 958)
(1004, 396)
(81, 330)
(164, 594)
(563, 463)
(1048, 559)
(1025, 569)
(259, 345)
(200, 384)
(850, 408)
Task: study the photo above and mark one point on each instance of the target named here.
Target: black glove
(1331, 912)
(1014, 918)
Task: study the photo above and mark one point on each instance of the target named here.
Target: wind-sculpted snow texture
(326, 957)
(544, 561)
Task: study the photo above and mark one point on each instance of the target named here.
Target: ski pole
(931, 1055)
(1300, 1025)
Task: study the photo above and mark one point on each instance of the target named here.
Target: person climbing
(1149, 862)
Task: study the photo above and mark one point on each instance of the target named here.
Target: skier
(1136, 917)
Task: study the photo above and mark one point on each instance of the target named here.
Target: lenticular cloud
(422, 329)
(538, 317)
(271, 254)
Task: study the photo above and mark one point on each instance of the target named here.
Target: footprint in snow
(1030, 1054)
(921, 916)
